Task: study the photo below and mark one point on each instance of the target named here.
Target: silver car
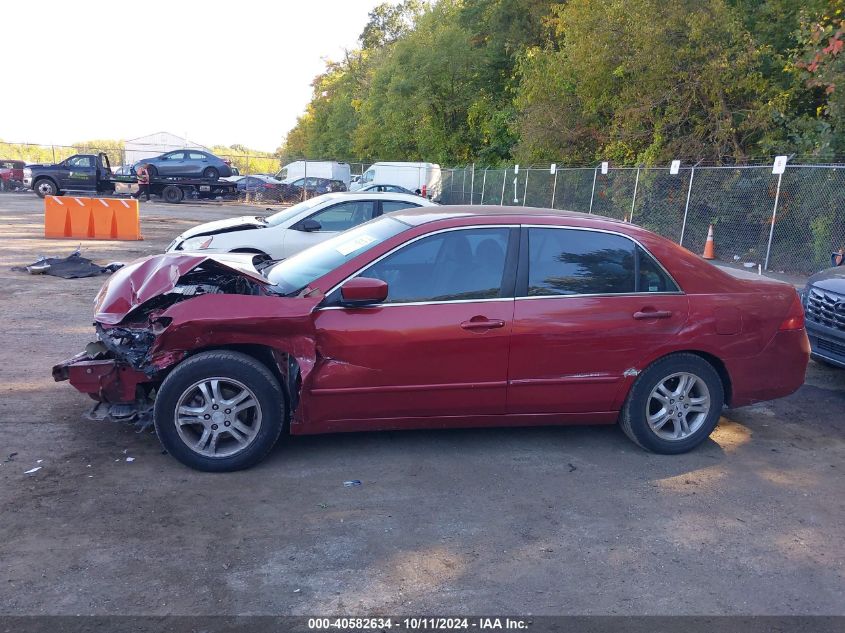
(187, 162)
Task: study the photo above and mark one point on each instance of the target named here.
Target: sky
(215, 72)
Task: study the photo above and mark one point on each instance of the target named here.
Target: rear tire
(674, 405)
(172, 194)
(211, 173)
(219, 411)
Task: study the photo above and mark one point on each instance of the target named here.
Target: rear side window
(396, 205)
(197, 156)
(570, 262)
(575, 262)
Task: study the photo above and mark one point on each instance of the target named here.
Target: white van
(411, 176)
(315, 169)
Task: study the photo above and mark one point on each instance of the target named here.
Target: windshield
(286, 214)
(293, 274)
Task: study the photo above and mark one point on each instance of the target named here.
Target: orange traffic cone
(709, 248)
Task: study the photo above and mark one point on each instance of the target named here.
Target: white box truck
(409, 175)
(315, 169)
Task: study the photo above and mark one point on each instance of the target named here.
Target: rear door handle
(652, 314)
(477, 323)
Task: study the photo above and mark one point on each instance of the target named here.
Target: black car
(303, 188)
(824, 310)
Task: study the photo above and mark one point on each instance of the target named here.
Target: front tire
(674, 405)
(45, 187)
(219, 411)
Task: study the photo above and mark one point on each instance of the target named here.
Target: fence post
(472, 186)
(483, 184)
(504, 180)
(686, 206)
(554, 189)
(53, 148)
(525, 189)
(593, 192)
(634, 201)
(774, 217)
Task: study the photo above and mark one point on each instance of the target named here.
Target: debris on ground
(74, 266)
(11, 457)
(130, 459)
(352, 483)
(32, 470)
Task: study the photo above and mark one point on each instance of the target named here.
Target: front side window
(345, 215)
(81, 161)
(368, 176)
(578, 262)
(175, 156)
(454, 265)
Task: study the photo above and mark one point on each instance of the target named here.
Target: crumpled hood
(242, 223)
(149, 277)
(831, 279)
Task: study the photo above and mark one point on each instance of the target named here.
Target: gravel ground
(572, 520)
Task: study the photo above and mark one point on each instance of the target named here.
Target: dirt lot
(526, 521)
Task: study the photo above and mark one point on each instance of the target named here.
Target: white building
(155, 144)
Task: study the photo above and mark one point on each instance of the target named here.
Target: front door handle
(482, 323)
(652, 314)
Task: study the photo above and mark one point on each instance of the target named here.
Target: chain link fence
(789, 223)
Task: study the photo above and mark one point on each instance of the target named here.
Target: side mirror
(362, 291)
(310, 226)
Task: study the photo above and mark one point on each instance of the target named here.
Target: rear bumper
(827, 343)
(776, 372)
(106, 380)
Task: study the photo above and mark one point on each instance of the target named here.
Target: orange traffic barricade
(92, 218)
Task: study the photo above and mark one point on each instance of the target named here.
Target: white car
(294, 229)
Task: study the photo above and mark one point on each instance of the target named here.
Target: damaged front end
(123, 368)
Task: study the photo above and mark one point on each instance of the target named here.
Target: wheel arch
(711, 359)
(254, 251)
(38, 179)
(278, 362)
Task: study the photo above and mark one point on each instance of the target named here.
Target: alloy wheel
(218, 417)
(678, 406)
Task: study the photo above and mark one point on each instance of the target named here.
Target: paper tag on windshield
(353, 245)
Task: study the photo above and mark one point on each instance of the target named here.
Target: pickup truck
(80, 172)
(92, 173)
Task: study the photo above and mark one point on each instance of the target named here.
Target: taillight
(269, 185)
(795, 317)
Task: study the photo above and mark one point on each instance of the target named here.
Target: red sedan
(437, 318)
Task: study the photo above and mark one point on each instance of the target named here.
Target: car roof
(374, 195)
(418, 216)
